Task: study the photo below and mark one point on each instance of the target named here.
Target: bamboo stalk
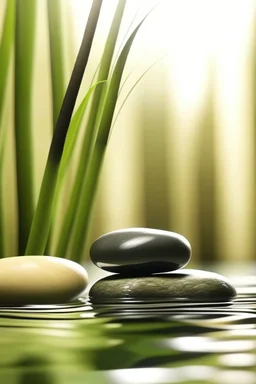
(55, 30)
(89, 136)
(24, 56)
(6, 46)
(6, 50)
(42, 219)
(86, 198)
(56, 56)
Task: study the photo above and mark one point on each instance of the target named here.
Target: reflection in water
(149, 342)
(238, 360)
(162, 375)
(28, 375)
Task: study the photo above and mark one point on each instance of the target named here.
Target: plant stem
(5, 54)
(42, 219)
(85, 202)
(24, 55)
(2, 240)
(89, 136)
(6, 50)
(56, 56)
(57, 67)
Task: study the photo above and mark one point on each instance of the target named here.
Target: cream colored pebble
(26, 280)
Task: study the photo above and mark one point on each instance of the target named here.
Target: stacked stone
(147, 265)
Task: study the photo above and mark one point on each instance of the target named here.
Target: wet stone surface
(187, 284)
(28, 280)
(140, 251)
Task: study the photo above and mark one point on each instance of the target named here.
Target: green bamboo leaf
(6, 50)
(57, 61)
(42, 219)
(69, 147)
(132, 88)
(56, 56)
(73, 134)
(6, 46)
(89, 184)
(2, 229)
(123, 40)
(91, 127)
(24, 57)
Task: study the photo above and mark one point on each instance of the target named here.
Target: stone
(28, 280)
(140, 251)
(187, 284)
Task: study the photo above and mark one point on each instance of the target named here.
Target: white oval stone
(27, 280)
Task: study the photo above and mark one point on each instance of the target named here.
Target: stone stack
(147, 266)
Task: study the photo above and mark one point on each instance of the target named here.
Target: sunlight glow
(161, 375)
(205, 42)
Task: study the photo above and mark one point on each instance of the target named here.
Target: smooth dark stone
(187, 284)
(140, 251)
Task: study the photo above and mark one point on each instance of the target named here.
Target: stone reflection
(33, 370)
(141, 341)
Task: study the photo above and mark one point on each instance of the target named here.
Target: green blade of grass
(24, 55)
(89, 136)
(2, 232)
(89, 184)
(2, 229)
(73, 134)
(42, 218)
(132, 88)
(69, 147)
(6, 46)
(56, 56)
(55, 31)
(6, 50)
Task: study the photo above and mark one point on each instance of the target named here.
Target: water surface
(132, 343)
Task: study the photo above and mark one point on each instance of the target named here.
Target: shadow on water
(134, 342)
(29, 375)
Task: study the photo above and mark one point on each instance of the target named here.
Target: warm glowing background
(182, 152)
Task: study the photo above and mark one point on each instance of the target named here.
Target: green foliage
(89, 183)
(42, 219)
(56, 56)
(25, 25)
(91, 131)
(92, 122)
(5, 55)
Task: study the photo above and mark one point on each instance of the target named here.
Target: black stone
(140, 251)
(187, 284)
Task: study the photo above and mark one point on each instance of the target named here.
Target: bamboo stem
(42, 219)
(24, 58)
(89, 136)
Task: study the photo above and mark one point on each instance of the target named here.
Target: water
(132, 343)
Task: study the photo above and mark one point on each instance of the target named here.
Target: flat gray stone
(140, 251)
(187, 284)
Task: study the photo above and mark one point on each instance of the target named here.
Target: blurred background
(182, 151)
